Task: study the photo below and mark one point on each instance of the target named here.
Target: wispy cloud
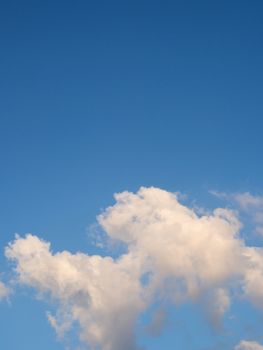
(158, 323)
(4, 291)
(173, 253)
(248, 345)
(248, 203)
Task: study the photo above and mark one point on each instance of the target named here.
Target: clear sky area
(159, 102)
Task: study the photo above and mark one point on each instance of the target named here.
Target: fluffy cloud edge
(186, 257)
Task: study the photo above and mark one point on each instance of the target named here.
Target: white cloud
(252, 205)
(172, 252)
(248, 345)
(253, 276)
(247, 200)
(101, 294)
(248, 203)
(191, 253)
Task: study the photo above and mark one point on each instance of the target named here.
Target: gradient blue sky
(98, 97)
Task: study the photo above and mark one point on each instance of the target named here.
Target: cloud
(101, 294)
(185, 253)
(248, 345)
(253, 205)
(4, 291)
(247, 203)
(174, 254)
(247, 200)
(158, 323)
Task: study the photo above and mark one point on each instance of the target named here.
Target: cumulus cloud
(173, 254)
(248, 345)
(186, 254)
(102, 295)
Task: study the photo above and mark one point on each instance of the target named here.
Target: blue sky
(108, 96)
